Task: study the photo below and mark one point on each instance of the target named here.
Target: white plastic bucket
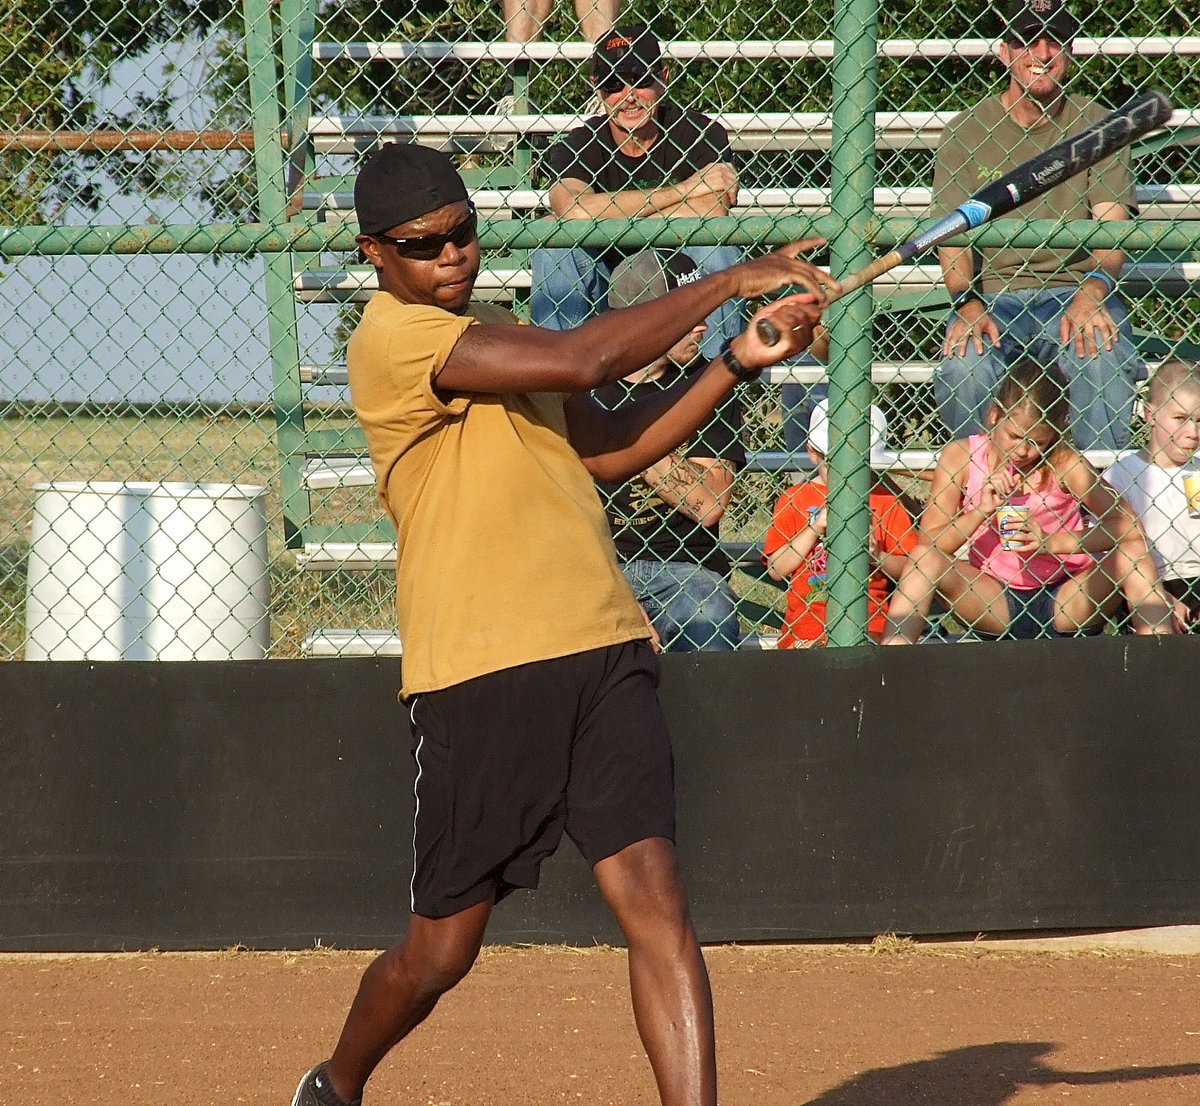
(147, 571)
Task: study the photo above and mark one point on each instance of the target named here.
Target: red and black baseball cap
(627, 49)
(1028, 20)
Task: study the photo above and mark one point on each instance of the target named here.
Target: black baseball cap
(627, 48)
(647, 275)
(1028, 20)
(403, 181)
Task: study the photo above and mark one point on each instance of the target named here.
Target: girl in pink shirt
(1036, 572)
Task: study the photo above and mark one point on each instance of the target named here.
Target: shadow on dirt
(981, 1075)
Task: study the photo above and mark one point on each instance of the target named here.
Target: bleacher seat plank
(351, 643)
(322, 556)
(916, 462)
(358, 285)
(481, 133)
(776, 130)
(1155, 201)
(730, 50)
(882, 372)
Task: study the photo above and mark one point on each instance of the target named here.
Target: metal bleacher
(319, 459)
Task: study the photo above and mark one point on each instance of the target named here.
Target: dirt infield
(891, 1024)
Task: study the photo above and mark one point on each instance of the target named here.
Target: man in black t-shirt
(644, 156)
(664, 521)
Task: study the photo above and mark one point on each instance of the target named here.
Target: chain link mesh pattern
(176, 232)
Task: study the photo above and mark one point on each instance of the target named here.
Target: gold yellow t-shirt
(504, 555)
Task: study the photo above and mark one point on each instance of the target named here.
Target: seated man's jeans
(691, 607)
(570, 286)
(1101, 388)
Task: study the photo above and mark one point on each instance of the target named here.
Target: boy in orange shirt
(795, 546)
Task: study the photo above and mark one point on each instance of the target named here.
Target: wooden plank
(351, 643)
(882, 372)
(485, 133)
(749, 49)
(1155, 201)
(358, 285)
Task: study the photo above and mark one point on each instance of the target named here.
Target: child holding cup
(1161, 483)
(1015, 497)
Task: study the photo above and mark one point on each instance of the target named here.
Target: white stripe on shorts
(412, 883)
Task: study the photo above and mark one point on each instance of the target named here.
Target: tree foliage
(56, 59)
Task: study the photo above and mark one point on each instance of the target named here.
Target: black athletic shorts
(506, 762)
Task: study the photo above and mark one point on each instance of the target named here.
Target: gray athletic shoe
(316, 1090)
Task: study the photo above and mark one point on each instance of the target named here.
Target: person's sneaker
(316, 1090)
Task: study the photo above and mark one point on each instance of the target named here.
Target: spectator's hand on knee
(971, 325)
(1088, 324)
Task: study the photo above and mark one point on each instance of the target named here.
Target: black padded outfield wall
(832, 793)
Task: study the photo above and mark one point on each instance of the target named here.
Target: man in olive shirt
(530, 687)
(1055, 304)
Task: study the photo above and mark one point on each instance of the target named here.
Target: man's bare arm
(958, 268)
(699, 487)
(618, 444)
(531, 359)
(1111, 261)
(710, 191)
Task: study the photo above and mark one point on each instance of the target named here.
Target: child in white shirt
(1151, 481)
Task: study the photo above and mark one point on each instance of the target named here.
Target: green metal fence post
(262, 56)
(853, 180)
(298, 19)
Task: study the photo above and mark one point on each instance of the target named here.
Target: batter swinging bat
(1029, 179)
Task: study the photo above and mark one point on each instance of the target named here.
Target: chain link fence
(181, 472)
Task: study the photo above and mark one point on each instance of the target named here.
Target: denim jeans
(570, 286)
(1101, 387)
(691, 607)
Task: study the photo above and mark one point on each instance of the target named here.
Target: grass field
(241, 448)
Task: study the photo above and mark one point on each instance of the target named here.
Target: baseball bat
(1029, 179)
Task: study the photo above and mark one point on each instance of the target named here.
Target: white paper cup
(1010, 519)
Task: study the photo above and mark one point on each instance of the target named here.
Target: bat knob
(768, 332)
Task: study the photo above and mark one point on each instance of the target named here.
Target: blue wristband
(1100, 274)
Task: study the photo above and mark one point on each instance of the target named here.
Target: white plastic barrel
(147, 571)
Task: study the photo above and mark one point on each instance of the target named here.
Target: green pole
(853, 180)
(263, 57)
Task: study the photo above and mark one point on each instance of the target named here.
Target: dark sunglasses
(615, 82)
(429, 247)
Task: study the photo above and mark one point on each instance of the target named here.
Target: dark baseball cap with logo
(403, 181)
(1028, 20)
(626, 49)
(647, 275)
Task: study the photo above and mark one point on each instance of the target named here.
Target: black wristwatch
(963, 298)
(739, 370)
